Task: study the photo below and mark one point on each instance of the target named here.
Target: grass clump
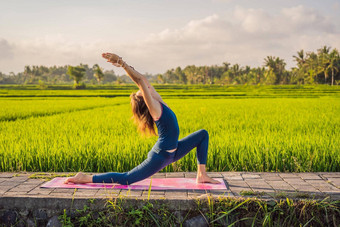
(279, 194)
(49, 176)
(252, 193)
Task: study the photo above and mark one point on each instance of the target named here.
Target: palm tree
(258, 74)
(233, 73)
(277, 66)
(312, 62)
(98, 73)
(225, 66)
(160, 79)
(27, 73)
(302, 67)
(181, 75)
(300, 58)
(333, 63)
(191, 73)
(324, 50)
(324, 61)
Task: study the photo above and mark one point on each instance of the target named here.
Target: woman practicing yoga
(148, 109)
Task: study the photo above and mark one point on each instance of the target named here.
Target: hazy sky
(156, 35)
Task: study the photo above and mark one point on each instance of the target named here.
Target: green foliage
(251, 193)
(320, 67)
(42, 85)
(223, 211)
(65, 219)
(79, 86)
(316, 67)
(98, 73)
(49, 176)
(76, 72)
(136, 215)
(280, 195)
(276, 67)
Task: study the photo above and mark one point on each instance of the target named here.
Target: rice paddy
(285, 129)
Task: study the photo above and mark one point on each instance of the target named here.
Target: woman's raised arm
(141, 81)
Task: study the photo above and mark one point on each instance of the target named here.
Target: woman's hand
(114, 59)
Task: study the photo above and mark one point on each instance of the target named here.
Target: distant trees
(160, 79)
(180, 75)
(98, 73)
(110, 76)
(329, 62)
(316, 67)
(276, 66)
(322, 67)
(34, 74)
(77, 73)
(323, 57)
(56, 75)
(334, 63)
(319, 67)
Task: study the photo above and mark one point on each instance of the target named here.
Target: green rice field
(251, 128)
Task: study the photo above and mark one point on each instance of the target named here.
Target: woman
(148, 109)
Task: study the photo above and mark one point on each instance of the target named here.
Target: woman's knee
(204, 133)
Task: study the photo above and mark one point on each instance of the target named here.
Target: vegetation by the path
(221, 212)
(49, 176)
(284, 130)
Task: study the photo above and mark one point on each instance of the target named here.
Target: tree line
(320, 67)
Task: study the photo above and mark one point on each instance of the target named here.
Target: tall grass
(282, 134)
(21, 108)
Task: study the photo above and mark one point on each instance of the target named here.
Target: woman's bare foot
(79, 178)
(206, 179)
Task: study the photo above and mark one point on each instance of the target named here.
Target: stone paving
(16, 187)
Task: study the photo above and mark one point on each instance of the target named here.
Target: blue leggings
(157, 161)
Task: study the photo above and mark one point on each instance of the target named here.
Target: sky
(157, 35)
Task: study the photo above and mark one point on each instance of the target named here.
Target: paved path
(22, 192)
(16, 187)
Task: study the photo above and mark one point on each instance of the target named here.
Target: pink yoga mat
(157, 184)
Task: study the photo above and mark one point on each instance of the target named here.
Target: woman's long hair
(141, 115)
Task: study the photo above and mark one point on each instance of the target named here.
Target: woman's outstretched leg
(200, 140)
(154, 163)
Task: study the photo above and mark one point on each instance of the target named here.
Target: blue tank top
(168, 130)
